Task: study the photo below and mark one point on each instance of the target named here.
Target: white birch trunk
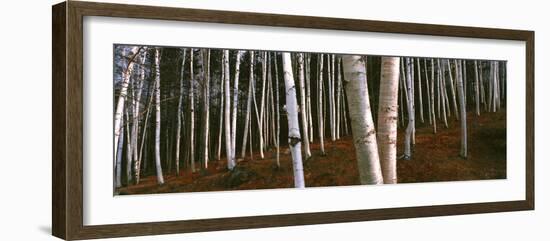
(222, 95)
(191, 113)
(364, 134)
(432, 97)
(160, 179)
(303, 104)
(206, 104)
(278, 131)
(308, 97)
(453, 94)
(122, 97)
(338, 97)
(419, 83)
(461, 99)
(294, 138)
(180, 106)
(118, 170)
(247, 121)
(410, 105)
(262, 104)
(387, 118)
(320, 106)
(235, 104)
(229, 153)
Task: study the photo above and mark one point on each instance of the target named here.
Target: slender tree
(206, 106)
(461, 99)
(278, 131)
(364, 134)
(476, 87)
(387, 118)
(301, 78)
(123, 95)
(228, 144)
(160, 178)
(247, 121)
(320, 106)
(410, 103)
(179, 111)
(294, 138)
(221, 120)
(419, 83)
(191, 112)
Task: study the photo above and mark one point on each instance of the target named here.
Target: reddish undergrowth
(435, 158)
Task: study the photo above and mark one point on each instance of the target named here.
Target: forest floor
(435, 158)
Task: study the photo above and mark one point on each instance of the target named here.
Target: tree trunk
(453, 94)
(432, 97)
(476, 87)
(387, 118)
(410, 105)
(191, 113)
(160, 179)
(464, 131)
(122, 96)
(180, 106)
(308, 97)
(206, 105)
(118, 170)
(222, 95)
(228, 144)
(247, 121)
(419, 83)
(364, 134)
(320, 106)
(262, 103)
(278, 131)
(294, 138)
(303, 104)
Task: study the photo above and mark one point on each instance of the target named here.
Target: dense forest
(196, 119)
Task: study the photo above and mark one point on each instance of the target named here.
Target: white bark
(191, 113)
(419, 83)
(118, 167)
(308, 97)
(387, 118)
(122, 96)
(222, 95)
(247, 121)
(432, 96)
(206, 109)
(229, 153)
(338, 97)
(320, 106)
(180, 106)
(278, 131)
(294, 138)
(303, 104)
(461, 99)
(364, 134)
(160, 179)
(453, 94)
(410, 105)
(262, 104)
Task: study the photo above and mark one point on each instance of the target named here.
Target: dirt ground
(435, 158)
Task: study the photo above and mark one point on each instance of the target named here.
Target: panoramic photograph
(189, 119)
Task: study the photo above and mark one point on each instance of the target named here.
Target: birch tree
(410, 103)
(228, 144)
(463, 125)
(303, 111)
(221, 120)
(123, 95)
(387, 118)
(247, 121)
(206, 106)
(235, 104)
(320, 106)
(191, 113)
(160, 179)
(180, 106)
(364, 134)
(476, 87)
(294, 138)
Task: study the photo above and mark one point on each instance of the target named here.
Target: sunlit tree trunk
(476, 87)
(262, 103)
(303, 104)
(191, 113)
(308, 97)
(144, 134)
(428, 96)
(442, 92)
(221, 120)
(410, 105)
(160, 179)
(119, 111)
(432, 96)
(461, 97)
(278, 130)
(235, 104)
(247, 121)
(118, 167)
(228, 144)
(387, 118)
(364, 134)
(206, 107)
(180, 107)
(330, 77)
(453, 94)
(294, 138)
(419, 83)
(320, 105)
(338, 97)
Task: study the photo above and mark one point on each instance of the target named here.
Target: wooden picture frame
(67, 123)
